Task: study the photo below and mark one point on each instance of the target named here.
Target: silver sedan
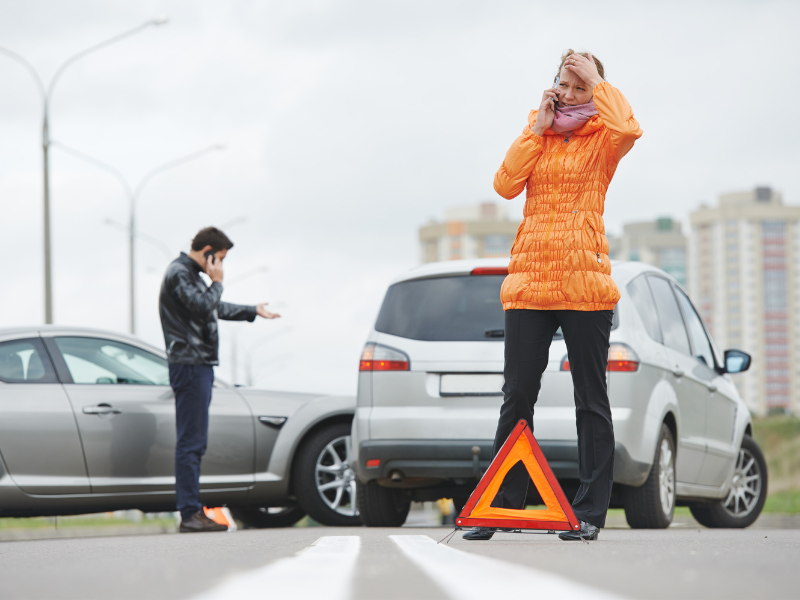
(87, 424)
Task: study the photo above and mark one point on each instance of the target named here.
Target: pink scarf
(570, 118)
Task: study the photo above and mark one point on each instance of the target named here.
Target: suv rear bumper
(454, 459)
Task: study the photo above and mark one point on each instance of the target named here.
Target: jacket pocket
(591, 230)
(587, 276)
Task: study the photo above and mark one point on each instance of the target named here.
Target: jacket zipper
(552, 221)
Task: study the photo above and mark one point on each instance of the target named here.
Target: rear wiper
(495, 333)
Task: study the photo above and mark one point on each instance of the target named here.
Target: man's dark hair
(211, 236)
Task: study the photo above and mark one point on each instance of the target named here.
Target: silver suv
(429, 397)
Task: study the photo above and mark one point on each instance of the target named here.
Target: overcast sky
(347, 125)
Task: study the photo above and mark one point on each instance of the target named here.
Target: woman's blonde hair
(600, 69)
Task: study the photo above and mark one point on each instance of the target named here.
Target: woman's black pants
(528, 336)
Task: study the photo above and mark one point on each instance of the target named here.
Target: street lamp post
(47, 95)
(133, 195)
(168, 253)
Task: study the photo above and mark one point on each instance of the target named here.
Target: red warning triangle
(520, 446)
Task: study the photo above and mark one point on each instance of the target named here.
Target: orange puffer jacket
(559, 260)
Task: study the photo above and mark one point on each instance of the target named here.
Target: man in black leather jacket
(189, 311)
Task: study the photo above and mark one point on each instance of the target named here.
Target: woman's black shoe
(480, 533)
(587, 532)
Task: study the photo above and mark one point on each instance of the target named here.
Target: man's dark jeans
(192, 385)
(528, 336)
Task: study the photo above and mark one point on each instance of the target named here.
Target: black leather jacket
(189, 310)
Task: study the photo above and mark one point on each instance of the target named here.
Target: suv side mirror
(736, 361)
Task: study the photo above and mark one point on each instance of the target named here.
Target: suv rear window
(464, 308)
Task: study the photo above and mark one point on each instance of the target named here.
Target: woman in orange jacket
(560, 273)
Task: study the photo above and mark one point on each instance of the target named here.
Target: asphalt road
(405, 563)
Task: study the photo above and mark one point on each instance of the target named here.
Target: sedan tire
(652, 505)
(253, 517)
(324, 481)
(747, 495)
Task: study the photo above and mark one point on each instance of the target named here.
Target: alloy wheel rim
(666, 478)
(745, 486)
(335, 478)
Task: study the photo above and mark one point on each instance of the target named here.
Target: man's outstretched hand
(261, 311)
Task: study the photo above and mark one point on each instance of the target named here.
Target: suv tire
(329, 446)
(380, 506)
(254, 517)
(752, 492)
(652, 505)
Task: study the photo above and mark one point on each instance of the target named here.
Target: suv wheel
(324, 481)
(253, 517)
(652, 505)
(747, 495)
(382, 506)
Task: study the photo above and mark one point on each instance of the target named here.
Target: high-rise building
(660, 243)
(478, 231)
(743, 276)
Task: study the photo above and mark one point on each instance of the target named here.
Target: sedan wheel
(260, 518)
(336, 479)
(323, 478)
(747, 495)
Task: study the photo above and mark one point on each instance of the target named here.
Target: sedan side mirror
(737, 361)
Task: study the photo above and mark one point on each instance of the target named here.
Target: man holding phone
(189, 310)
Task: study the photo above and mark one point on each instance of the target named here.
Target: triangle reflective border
(520, 446)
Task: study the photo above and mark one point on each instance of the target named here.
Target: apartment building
(744, 256)
(477, 231)
(660, 243)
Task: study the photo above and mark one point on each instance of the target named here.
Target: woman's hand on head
(584, 68)
(544, 119)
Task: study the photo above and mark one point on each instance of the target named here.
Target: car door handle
(677, 372)
(101, 409)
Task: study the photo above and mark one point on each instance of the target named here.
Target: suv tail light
(489, 271)
(382, 358)
(620, 358)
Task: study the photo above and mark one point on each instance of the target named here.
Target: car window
(445, 309)
(672, 327)
(100, 361)
(642, 298)
(25, 361)
(697, 333)
(448, 309)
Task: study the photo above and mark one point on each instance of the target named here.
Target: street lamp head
(162, 20)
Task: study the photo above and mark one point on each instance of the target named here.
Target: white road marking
(463, 575)
(323, 570)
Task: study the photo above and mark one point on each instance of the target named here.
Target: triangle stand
(520, 446)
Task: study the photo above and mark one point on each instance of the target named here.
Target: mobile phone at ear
(555, 87)
(210, 255)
